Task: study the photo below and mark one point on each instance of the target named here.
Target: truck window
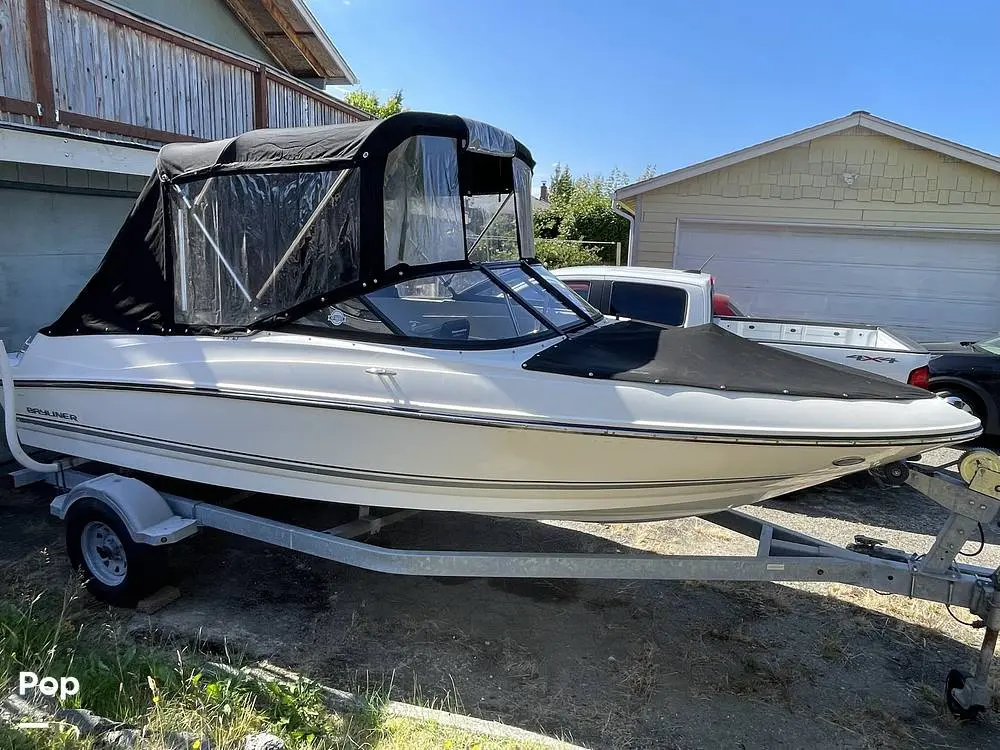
(580, 287)
(666, 305)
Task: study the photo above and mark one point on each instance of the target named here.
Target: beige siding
(858, 177)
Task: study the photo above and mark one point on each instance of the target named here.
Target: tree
(581, 210)
(369, 102)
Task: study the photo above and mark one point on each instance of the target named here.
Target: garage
(64, 197)
(931, 285)
(45, 261)
(858, 219)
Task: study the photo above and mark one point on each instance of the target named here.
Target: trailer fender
(145, 513)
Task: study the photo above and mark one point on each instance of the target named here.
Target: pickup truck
(688, 298)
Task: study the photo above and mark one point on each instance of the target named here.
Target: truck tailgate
(870, 348)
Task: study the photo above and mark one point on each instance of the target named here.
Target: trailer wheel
(956, 681)
(115, 569)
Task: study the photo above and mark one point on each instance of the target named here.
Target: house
(541, 203)
(90, 89)
(856, 219)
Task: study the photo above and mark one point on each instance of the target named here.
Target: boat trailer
(118, 526)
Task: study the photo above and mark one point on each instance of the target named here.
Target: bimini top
(329, 145)
(257, 230)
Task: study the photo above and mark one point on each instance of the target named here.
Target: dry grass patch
(638, 675)
(930, 615)
(764, 678)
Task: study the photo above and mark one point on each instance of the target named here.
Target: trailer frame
(152, 518)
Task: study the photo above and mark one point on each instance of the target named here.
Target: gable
(857, 164)
(856, 123)
(208, 20)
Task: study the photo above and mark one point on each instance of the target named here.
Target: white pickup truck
(687, 298)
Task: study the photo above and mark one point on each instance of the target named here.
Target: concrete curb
(478, 726)
(346, 702)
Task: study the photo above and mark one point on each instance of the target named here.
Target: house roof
(855, 119)
(289, 31)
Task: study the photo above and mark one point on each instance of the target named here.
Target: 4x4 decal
(866, 358)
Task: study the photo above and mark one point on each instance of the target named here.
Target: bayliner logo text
(57, 414)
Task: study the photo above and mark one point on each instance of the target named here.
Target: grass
(16, 739)
(162, 690)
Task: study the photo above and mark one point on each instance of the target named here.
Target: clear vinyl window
(248, 246)
(423, 207)
(428, 221)
(522, 194)
(491, 227)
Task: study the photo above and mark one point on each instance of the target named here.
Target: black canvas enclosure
(709, 357)
(292, 218)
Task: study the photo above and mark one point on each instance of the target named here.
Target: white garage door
(50, 244)
(930, 285)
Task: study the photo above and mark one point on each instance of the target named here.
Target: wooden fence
(89, 67)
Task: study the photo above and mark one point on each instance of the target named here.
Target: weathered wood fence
(90, 67)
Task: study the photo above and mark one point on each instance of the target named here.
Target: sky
(637, 83)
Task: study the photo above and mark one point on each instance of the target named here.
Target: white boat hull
(484, 437)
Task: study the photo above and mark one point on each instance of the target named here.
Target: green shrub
(560, 254)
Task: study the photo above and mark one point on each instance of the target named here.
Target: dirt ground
(603, 664)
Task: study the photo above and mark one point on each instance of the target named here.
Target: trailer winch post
(967, 695)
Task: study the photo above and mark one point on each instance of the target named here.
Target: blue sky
(598, 85)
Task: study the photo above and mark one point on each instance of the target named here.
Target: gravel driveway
(605, 664)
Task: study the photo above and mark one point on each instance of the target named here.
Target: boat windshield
(490, 305)
(989, 345)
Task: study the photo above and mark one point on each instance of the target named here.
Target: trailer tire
(115, 568)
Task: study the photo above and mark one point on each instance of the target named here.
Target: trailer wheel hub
(103, 553)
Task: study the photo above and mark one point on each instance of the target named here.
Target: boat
(354, 314)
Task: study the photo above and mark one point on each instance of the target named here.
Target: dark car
(969, 370)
